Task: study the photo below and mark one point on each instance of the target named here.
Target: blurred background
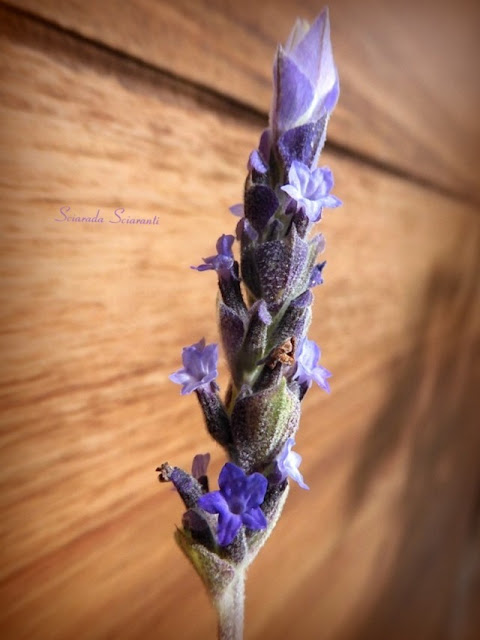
(150, 108)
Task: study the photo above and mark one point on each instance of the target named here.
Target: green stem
(230, 609)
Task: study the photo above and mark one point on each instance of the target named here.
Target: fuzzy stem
(230, 609)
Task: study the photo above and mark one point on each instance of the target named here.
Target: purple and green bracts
(264, 311)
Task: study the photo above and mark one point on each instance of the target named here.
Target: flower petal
(254, 519)
(294, 92)
(213, 502)
(228, 526)
(257, 485)
(229, 474)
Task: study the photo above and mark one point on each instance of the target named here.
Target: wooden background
(153, 106)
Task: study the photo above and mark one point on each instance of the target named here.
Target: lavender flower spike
(264, 310)
(308, 369)
(287, 463)
(199, 367)
(310, 189)
(238, 502)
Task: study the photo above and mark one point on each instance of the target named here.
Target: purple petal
(213, 502)
(265, 144)
(257, 163)
(179, 377)
(298, 32)
(203, 267)
(293, 462)
(237, 209)
(257, 485)
(294, 92)
(332, 96)
(200, 465)
(287, 463)
(245, 232)
(331, 202)
(199, 366)
(229, 474)
(317, 274)
(224, 245)
(228, 526)
(254, 519)
(314, 56)
(292, 191)
(320, 375)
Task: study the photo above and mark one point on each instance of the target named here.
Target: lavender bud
(260, 205)
(255, 341)
(262, 422)
(188, 487)
(296, 320)
(232, 331)
(216, 417)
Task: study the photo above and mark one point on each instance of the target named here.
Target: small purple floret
(317, 274)
(238, 502)
(199, 367)
(287, 463)
(308, 369)
(310, 189)
(222, 263)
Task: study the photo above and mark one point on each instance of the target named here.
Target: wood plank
(410, 92)
(93, 321)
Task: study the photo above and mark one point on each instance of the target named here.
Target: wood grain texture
(385, 545)
(410, 88)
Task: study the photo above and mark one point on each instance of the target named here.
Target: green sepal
(261, 423)
(216, 573)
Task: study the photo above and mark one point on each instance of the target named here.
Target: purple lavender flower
(199, 367)
(222, 263)
(310, 189)
(287, 463)
(308, 369)
(305, 78)
(238, 502)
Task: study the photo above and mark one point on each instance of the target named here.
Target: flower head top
(222, 263)
(238, 502)
(308, 369)
(287, 463)
(199, 367)
(310, 189)
(305, 79)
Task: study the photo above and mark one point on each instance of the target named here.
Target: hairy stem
(230, 609)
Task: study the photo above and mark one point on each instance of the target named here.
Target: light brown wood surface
(385, 544)
(409, 72)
